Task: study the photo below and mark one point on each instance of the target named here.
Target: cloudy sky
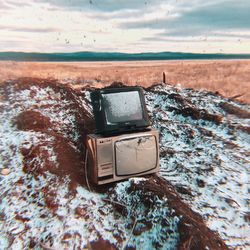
(221, 26)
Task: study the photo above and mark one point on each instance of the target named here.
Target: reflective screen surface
(122, 107)
(136, 155)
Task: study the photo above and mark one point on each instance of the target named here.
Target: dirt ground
(54, 113)
(231, 78)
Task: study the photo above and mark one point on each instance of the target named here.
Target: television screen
(136, 155)
(122, 107)
(118, 110)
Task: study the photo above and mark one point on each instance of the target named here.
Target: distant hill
(110, 56)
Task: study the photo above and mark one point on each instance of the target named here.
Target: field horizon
(228, 77)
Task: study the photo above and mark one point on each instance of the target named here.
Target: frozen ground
(44, 204)
(205, 155)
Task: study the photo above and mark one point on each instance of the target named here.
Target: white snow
(223, 201)
(210, 160)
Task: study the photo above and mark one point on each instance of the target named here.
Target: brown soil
(68, 156)
(32, 120)
(232, 109)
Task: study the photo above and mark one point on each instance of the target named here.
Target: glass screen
(122, 107)
(137, 155)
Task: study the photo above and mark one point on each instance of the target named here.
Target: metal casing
(122, 156)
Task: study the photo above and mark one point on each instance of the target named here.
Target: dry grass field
(230, 77)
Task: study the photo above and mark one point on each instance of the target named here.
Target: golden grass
(228, 77)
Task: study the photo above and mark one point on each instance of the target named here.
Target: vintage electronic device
(117, 157)
(119, 110)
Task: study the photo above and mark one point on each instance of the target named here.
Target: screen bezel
(102, 125)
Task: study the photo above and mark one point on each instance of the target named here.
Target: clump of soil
(234, 110)
(32, 120)
(68, 158)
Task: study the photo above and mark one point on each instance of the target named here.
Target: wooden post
(164, 77)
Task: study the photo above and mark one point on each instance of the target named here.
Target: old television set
(124, 144)
(119, 110)
(122, 156)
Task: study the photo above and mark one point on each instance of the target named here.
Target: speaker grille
(104, 153)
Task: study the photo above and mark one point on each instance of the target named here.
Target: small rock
(5, 171)
(200, 183)
(81, 211)
(66, 237)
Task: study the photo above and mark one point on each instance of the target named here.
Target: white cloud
(125, 26)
